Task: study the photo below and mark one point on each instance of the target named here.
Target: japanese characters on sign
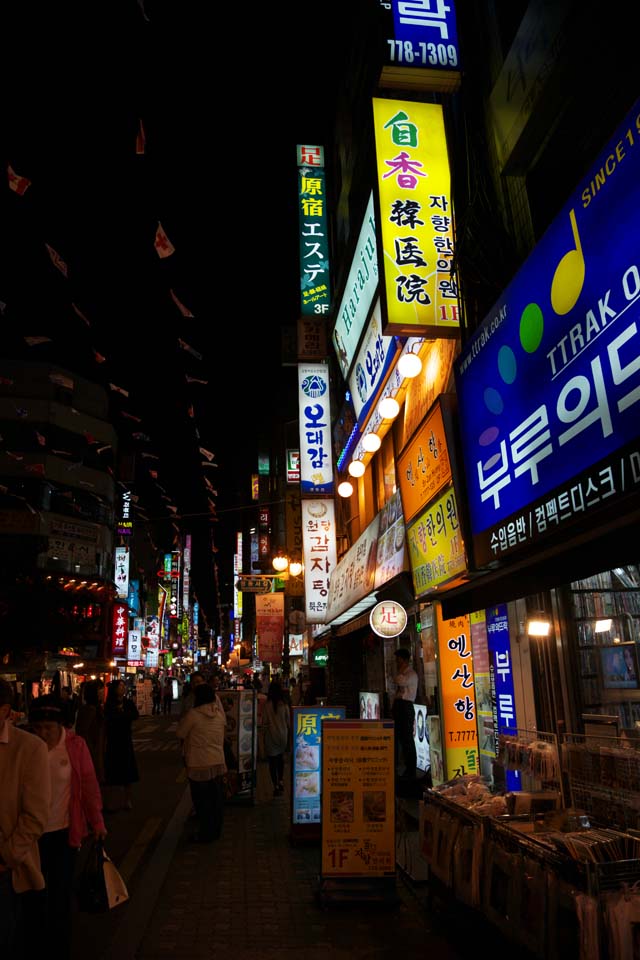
(436, 547)
(314, 405)
(120, 629)
(121, 576)
(359, 290)
(358, 803)
(320, 555)
(388, 618)
(549, 385)
(307, 761)
(457, 695)
(420, 287)
(315, 291)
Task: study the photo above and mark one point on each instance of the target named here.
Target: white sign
(354, 576)
(359, 291)
(121, 576)
(134, 648)
(388, 618)
(372, 366)
(320, 555)
(314, 409)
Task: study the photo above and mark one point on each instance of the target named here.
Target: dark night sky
(223, 103)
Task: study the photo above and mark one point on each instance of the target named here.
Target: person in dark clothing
(157, 697)
(120, 765)
(167, 696)
(90, 724)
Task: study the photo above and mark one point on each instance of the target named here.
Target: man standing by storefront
(406, 683)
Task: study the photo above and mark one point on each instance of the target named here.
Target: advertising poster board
(306, 807)
(458, 695)
(241, 736)
(421, 737)
(358, 802)
(369, 705)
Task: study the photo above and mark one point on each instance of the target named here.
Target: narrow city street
(254, 892)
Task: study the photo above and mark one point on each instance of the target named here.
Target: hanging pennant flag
(165, 497)
(186, 346)
(206, 453)
(141, 436)
(205, 463)
(98, 357)
(125, 393)
(62, 453)
(57, 260)
(209, 486)
(85, 483)
(164, 247)
(61, 380)
(80, 314)
(17, 183)
(107, 446)
(174, 510)
(195, 380)
(161, 488)
(197, 433)
(212, 505)
(190, 411)
(130, 416)
(41, 440)
(181, 307)
(140, 139)
(151, 456)
(35, 341)
(35, 468)
(14, 456)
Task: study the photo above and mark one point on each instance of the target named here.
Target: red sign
(120, 629)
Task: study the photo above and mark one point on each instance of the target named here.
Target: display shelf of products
(516, 870)
(608, 654)
(603, 774)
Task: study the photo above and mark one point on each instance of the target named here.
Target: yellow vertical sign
(358, 804)
(416, 220)
(460, 728)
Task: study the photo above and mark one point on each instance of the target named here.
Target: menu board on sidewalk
(241, 741)
(306, 761)
(358, 803)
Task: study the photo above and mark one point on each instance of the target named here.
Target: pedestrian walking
(24, 811)
(156, 695)
(167, 696)
(120, 766)
(201, 731)
(189, 691)
(276, 722)
(75, 809)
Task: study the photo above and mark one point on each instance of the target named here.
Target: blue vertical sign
(501, 673)
(307, 761)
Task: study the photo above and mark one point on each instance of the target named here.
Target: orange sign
(458, 695)
(424, 468)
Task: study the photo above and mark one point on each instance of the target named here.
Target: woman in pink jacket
(75, 811)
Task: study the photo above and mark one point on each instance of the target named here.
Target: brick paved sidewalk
(254, 893)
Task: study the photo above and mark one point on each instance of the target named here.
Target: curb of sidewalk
(139, 909)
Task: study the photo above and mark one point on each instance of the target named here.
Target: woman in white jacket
(202, 733)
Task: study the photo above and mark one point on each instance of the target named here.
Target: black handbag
(91, 889)
(100, 887)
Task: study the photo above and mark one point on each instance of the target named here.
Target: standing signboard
(306, 763)
(241, 736)
(358, 802)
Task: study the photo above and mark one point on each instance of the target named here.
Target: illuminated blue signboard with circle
(549, 385)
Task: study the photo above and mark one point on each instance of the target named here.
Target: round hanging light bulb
(295, 568)
(280, 562)
(371, 442)
(389, 408)
(345, 489)
(356, 468)
(409, 365)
